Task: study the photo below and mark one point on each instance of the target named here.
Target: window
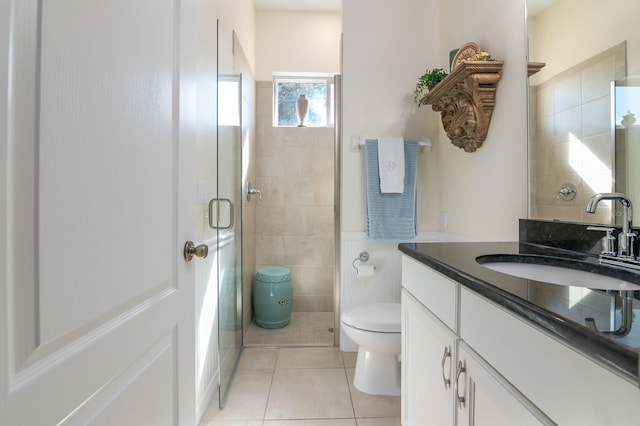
(229, 96)
(319, 91)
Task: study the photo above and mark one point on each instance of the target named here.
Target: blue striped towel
(390, 216)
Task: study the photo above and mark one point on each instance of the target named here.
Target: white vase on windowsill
(302, 106)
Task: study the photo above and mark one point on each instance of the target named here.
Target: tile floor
(304, 329)
(300, 386)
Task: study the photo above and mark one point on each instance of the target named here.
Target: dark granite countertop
(559, 310)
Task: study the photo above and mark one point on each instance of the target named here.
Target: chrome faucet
(627, 237)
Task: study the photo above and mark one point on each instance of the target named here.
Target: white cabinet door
(428, 354)
(484, 399)
(96, 203)
(569, 387)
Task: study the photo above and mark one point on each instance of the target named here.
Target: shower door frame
(337, 177)
(229, 228)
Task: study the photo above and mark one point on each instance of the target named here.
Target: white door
(96, 203)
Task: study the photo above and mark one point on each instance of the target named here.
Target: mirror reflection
(584, 135)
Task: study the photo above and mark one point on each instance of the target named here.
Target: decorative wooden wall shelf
(534, 67)
(465, 99)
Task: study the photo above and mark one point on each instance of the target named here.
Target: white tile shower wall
(573, 141)
(386, 282)
(294, 221)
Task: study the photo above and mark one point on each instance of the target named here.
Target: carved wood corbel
(465, 100)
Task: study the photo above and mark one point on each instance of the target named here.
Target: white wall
(297, 42)
(485, 193)
(387, 46)
(239, 16)
(562, 42)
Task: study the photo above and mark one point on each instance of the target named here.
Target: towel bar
(357, 142)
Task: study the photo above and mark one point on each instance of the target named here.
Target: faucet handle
(601, 228)
(631, 241)
(608, 241)
(252, 191)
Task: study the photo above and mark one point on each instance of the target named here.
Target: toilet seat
(377, 317)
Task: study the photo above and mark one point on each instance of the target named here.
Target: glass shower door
(227, 215)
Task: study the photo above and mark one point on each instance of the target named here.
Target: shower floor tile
(304, 329)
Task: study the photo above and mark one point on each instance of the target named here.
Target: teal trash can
(272, 297)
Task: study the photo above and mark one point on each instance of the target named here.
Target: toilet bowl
(375, 329)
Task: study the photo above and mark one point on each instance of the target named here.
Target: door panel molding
(155, 369)
(46, 378)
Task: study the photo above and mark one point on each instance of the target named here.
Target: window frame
(329, 81)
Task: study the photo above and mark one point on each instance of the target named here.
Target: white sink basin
(557, 275)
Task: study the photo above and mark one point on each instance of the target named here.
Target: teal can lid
(273, 274)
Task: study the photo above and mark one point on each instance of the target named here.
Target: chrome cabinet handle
(445, 379)
(190, 250)
(460, 398)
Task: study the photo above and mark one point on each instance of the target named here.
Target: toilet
(376, 330)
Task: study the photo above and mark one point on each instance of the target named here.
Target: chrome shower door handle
(215, 224)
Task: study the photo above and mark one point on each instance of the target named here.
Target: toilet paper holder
(363, 257)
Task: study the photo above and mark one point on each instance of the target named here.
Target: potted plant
(427, 82)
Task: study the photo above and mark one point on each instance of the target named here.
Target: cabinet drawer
(566, 385)
(435, 291)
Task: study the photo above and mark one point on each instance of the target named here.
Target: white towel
(391, 165)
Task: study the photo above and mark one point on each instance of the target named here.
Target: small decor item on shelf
(452, 54)
(465, 53)
(628, 119)
(302, 106)
(482, 56)
(427, 82)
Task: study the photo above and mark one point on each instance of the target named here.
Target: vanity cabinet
(444, 381)
(567, 386)
(503, 369)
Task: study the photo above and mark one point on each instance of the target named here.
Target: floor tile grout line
(273, 373)
(346, 376)
(342, 367)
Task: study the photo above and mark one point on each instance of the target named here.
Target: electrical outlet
(444, 220)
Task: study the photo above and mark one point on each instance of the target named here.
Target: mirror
(582, 106)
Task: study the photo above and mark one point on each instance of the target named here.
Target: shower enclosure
(218, 290)
(297, 224)
(227, 220)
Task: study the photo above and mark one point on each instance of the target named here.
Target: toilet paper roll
(365, 271)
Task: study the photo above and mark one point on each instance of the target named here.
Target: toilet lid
(380, 317)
